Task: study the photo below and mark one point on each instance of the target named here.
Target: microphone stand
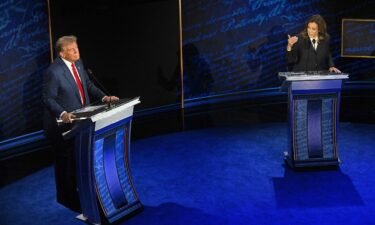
(92, 76)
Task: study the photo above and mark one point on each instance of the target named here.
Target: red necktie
(79, 84)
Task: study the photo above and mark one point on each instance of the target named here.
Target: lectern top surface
(94, 109)
(313, 75)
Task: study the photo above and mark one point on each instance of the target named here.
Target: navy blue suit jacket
(60, 92)
(305, 58)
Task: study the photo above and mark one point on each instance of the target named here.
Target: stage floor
(228, 174)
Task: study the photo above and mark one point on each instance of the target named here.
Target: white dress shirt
(316, 42)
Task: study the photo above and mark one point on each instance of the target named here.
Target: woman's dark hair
(322, 27)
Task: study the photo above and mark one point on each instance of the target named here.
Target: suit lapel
(69, 77)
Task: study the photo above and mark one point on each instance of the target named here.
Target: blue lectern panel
(112, 171)
(328, 119)
(121, 140)
(105, 198)
(314, 128)
(301, 149)
(314, 138)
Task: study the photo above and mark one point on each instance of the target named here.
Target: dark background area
(127, 44)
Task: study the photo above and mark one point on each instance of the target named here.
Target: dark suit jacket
(305, 58)
(60, 93)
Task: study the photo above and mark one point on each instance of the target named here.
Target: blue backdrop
(239, 45)
(229, 46)
(24, 54)
(358, 38)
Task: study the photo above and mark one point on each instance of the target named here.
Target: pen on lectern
(60, 121)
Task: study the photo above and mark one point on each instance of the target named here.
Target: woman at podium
(309, 50)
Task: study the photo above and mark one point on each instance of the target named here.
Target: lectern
(102, 149)
(313, 114)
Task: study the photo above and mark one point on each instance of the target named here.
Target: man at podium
(66, 88)
(309, 50)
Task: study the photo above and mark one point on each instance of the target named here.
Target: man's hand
(334, 70)
(110, 99)
(67, 117)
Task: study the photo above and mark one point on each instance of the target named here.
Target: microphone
(92, 76)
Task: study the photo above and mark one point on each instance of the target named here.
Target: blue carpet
(225, 175)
